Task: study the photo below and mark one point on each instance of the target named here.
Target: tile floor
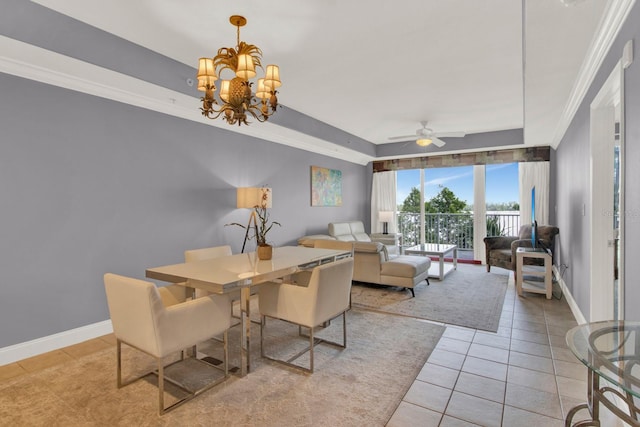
(522, 375)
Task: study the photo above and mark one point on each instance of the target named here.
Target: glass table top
(611, 349)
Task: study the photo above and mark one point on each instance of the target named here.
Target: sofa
(351, 231)
(501, 250)
(372, 264)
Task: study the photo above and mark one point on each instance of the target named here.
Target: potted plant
(261, 224)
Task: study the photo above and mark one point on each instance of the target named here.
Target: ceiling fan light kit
(236, 100)
(426, 136)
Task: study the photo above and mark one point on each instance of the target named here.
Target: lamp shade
(206, 68)
(224, 90)
(272, 77)
(262, 92)
(251, 197)
(246, 68)
(385, 216)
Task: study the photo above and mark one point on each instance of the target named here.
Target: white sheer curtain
(479, 212)
(383, 198)
(534, 174)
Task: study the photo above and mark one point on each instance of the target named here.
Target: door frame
(601, 245)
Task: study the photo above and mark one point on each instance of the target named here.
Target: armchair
(309, 300)
(141, 320)
(501, 250)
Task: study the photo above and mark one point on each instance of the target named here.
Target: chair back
(330, 288)
(206, 253)
(135, 307)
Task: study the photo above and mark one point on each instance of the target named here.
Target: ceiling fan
(425, 136)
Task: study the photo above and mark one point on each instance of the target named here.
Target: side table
(533, 270)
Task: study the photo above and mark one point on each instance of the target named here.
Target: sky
(501, 182)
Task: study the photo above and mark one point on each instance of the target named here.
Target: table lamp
(385, 217)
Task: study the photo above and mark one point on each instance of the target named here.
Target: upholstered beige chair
(141, 320)
(309, 301)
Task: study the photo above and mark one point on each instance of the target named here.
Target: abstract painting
(326, 187)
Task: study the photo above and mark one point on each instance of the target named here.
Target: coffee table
(439, 250)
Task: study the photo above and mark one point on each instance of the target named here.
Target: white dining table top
(228, 272)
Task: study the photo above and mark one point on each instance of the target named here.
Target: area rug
(468, 296)
(358, 386)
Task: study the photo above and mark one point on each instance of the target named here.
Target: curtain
(479, 212)
(383, 199)
(534, 174)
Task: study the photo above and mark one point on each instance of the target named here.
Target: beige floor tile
(535, 337)
(568, 403)
(428, 396)
(528, 347)
(489, 353)
(45, 360)
(537, 318)
(572, 388)
(109, 338)
(492, 340)
(533, 400)
(455, 346)
(86, 347)
(576, 371)
(462, 334)
(483, 387)
(438, 375)
(448, 421)
(474, 409)
(407, 414)
(485, 368)
(564, 354)
(446, 358)
(533, 379)
(11, 370)
(558, 341)
(520, 417)
(525, 325)
(528, 361)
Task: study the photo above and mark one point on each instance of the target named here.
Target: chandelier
(235, 100)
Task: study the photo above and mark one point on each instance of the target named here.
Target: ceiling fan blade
(450, 134)
(437, 142)
(405, 137)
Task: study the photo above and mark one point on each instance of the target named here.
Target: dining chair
(323, 297)
(141, 320)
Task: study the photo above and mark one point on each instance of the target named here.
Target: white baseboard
(16, 352)
(567, 294)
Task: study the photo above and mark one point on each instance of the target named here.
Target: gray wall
(91, 186)
(572, 186)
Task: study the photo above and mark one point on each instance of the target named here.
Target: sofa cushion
(339, 229)
(503, 255)
(405, 266)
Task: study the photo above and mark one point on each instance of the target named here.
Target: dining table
(243, 271)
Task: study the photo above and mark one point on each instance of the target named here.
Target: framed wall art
(326, 187)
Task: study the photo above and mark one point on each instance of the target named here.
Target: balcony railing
(454, 228)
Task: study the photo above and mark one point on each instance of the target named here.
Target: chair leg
(119, 363)
(311, 345)
(160, 386)
(428, 282)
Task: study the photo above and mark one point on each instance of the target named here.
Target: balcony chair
(501, 250)
(141, 320)
(308, 300)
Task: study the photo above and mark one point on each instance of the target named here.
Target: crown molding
(24, 60)
(616, 12)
